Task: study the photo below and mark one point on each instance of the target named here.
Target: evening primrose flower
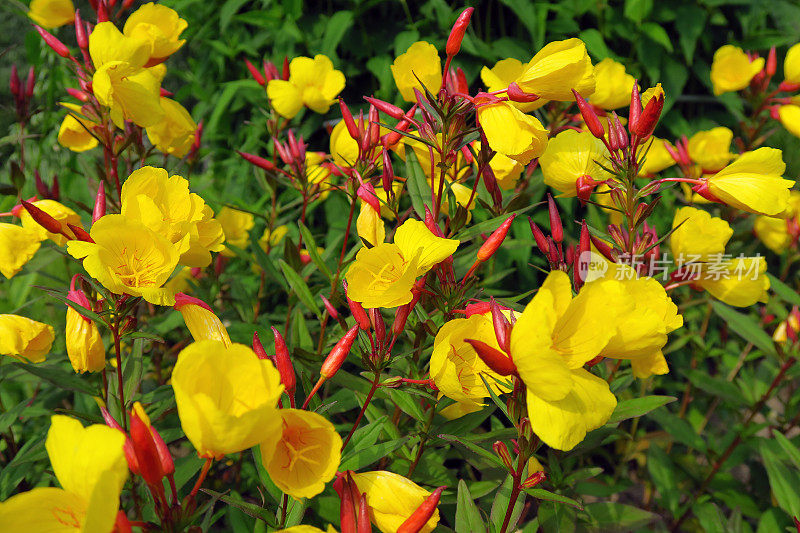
(382, 276)
(121, 82)
(421, 60)
(504, 73)
(200, 319)
(312, 82)
(369, 225)
(25, 339)
(51, 13)
(732, 70)
(127, 257)
(558, 68)
(74, 130)
(272, 238)
(658, 157)
(711, 149)
(174, 133)
(753, 183)
(344, 149)
(63, 215)
(456, 368)
(159, 26)
(164, 204)
(509, 131)
(695, 231)
(226, 397)
(392, 499)
(776, 233)
(84, 345)
(790, 118)
(17, 247)
(89, 464)
(570, 155)
(236, 226)
(305, 453)
(791, 65)
(613, 85)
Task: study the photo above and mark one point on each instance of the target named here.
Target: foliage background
(653, 463)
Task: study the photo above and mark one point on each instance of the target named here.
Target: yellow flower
(164, 204)
(732, 70)
(312, 82)
(753, 183)
(63, 214)
(316, 172)
(711, 149)
(17, 246)
(570, 155)
(236, 226)
(84, 345)
(558, 68)
(182, 281)
(657, 158)
(506, 171)
(743, 284)
(774, 231)
(128, 257)
(90, 466)
(174, 133)
(303, 455)
(121, 82)
(344, 148)
(23, 338)
(392, 499)
(226, 397)
(73, 133)
(421, 60)
(271, 239)
(790, 118)
(613, 85)
(159, 26)
(510, 131)
(697, 233)
(52, 13)
(550, 342)
(201, 321)
(455, 366)
(504, 73)
(791, 65)
(383, 276)
(369, 225)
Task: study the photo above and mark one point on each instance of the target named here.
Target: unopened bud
(494, 241)
(99, 203)
(386, 108)
(387, 177)
(589, 116)
(283, 362)
(259, 350)
(494, 358)
(457, 32)
(260, 162)
(30, 82)
(338, 354)
(147, 457)
(556, 228)
(534, 479)
(43, 219)
(334, 314)
(80, 31)
(538, 236)
(358, 312)
(635, 111)
(367, 193)
(57, 46)
(502, 452)
(14, 83)
(255, 73)
(772, 63)
(516, 94)
(349, 122)
(502, 327)
(416, 522)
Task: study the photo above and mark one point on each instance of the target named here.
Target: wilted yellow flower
(226, 397)
(510, 131)
(127, 257)
(63, 214)
(791, 65)
(696, 232)
(711, 149)
(51, 13)
(174, 133)
(753, 183)
(303, 454)
(657, 158)
(17, 246)
(558, 68)
(121, 82)
(23, 338)
(421, 60)
(456, 368)
(504, 73)
(236, 226)
(159, 26)
(570, 155)
(613, 85)
(84, 345)
(383, 276)
(369, 225)
(732, 70)
(312, 82)
(90, 465)
(200, 319)
(74, 130)
(790, 118)
(164, 204)
(392, 499)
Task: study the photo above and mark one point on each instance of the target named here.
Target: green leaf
(662, 471)
(335, 29)
(299, 287)
(679, 429)
(658, 34)
(311, 247)
(595, 43)
(618, 516)
(784, 291)
(637, 10)
(263, 260)
(542, 494)
(637, 407)
(468, 517)
(782, 480)
(358, 459)
(248, 508)
(474, 448)
(690, 21)
(746, 326)
(60, 378)
(500, 505)
(417, 184)
(407, 403)
(791, 450)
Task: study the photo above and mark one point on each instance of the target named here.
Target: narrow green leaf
(637, 407)
(299, 287)
(468, 517)
(311, 247)
(542, 494)
(60, 378)
(358, 459)
(474, 448)
(248, 508)
(792, 452)
(784, 291)
(746, 326)
(417, 184)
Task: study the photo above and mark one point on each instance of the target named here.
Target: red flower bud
(502, 452)
(367, 193)
(330, 308)
(146, 452)
(516, 94)
(79, 233)
(270, 71)
(387, 177)
(260, 162)
(99, 203)
(30, 82)
(43, 219)
(502, 327)
(423, 513)
(457, 33)
(461, 81)
(378, 324)
(650, 115)
(102, 11)
(57, 46)
(258, 348)
(385, 107)
(80, 32)
(14, 82)
(286, 70)
(772, 63)
(167, 464)
(589, 116)
(584, 187)
(283, 362)
(494, 358)
(494, 241)
(255, 73)
(338, 354)
(358, 312)
(431, 224)
(349, 122)
(635, 111)
(556, 228)
(364, 525)
(41, 188)
(538, 236)
(393, 137)
(347, 510)
(80, 95)
(534, 479)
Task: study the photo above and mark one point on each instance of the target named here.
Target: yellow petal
(791, 64)
(51, 13)
(107, 44)
(369, 225)
(421, 60)
(381, 277)
(697, 234)
(742, 284)
(732, 70)
(413, 238)
(17, 246)
(511, 132)
(558, 68)
(285, 98)
(570, 155)
(21, 337)
(613, 86)
(392, 499)
(654, 364)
